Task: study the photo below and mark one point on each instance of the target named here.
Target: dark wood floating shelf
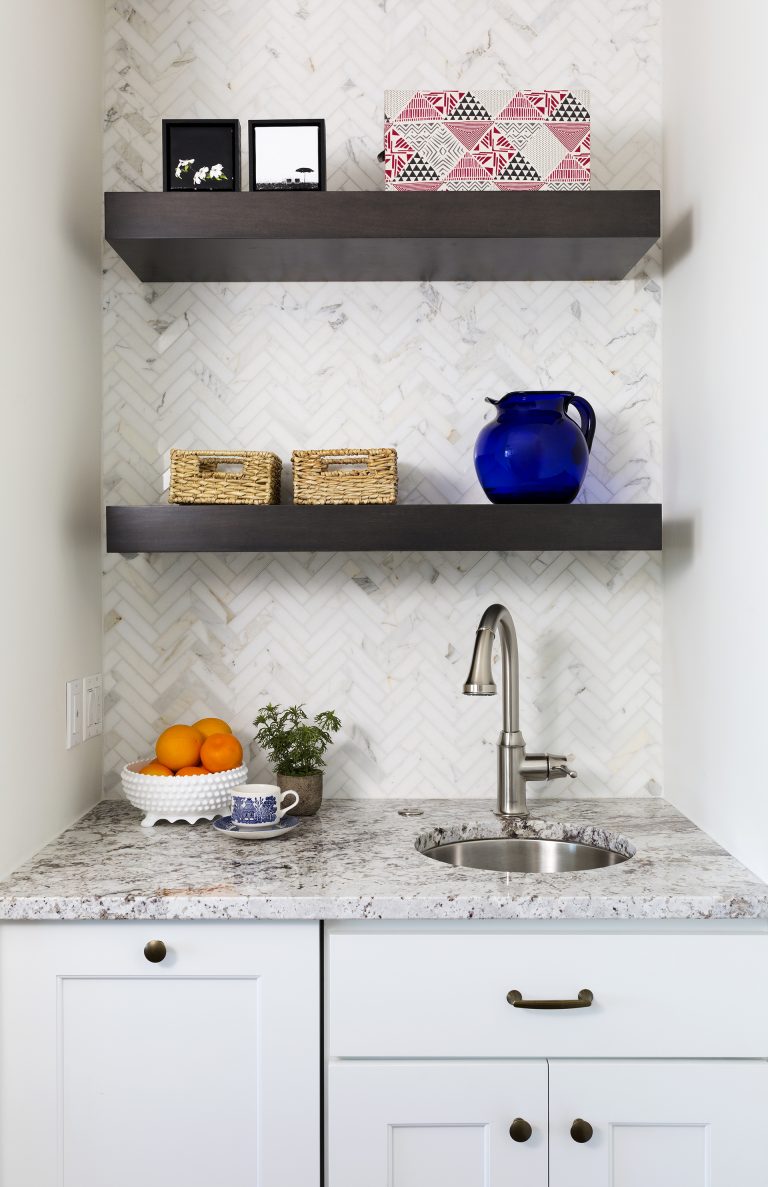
(402, 528)
(552, 235)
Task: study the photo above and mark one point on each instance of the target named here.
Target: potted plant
(296, 750)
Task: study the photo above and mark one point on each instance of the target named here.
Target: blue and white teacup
(260, 803)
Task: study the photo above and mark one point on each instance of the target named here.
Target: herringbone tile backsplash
(384, 639)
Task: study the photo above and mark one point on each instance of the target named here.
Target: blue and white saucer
(255, 832)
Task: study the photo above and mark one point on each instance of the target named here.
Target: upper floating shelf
(550, 235)
(468, 527)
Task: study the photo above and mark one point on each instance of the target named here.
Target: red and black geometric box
(487, 140)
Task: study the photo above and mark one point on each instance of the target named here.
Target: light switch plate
(74, 713)
(92, 706)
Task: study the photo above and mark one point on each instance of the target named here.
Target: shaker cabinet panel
(194, 1068)
(409, 1123)
(594, 1123)
(669, 1123)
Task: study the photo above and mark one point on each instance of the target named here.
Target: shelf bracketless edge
(355, 235)
(406, 528)
(357, 214)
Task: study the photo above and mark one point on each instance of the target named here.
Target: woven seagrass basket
(228, 476)
(344, 476)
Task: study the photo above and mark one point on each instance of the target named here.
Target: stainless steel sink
(521, 851)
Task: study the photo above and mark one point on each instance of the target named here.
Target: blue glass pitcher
(534, 452)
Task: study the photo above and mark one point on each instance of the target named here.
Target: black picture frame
(254, 125)
(220, 138)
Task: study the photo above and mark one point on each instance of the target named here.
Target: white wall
(51, 94)
(716, 420)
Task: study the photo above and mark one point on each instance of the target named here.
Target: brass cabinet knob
(520, 1130)
(155, 951)
(581, 1131)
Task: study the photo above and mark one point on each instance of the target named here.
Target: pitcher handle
(586, 415)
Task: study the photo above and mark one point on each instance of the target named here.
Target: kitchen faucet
(515, 767)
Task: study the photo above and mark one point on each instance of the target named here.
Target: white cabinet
(408, 1124)
(203, 1067)
(665, 1123)
(593, 1123)
(199, 1069)
(430, 1060)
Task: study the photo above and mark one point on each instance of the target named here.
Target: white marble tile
(382, 639)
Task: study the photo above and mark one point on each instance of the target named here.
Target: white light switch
(92, 706)
(74, 713)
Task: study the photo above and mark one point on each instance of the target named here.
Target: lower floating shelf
(464, 527)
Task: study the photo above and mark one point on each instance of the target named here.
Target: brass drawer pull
(581, 1131)
(585, 998)
(520, 1130)
(155, 951)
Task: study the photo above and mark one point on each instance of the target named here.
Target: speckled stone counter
(358, 860)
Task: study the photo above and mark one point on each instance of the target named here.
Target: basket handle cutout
(223, 467)
(345, 465)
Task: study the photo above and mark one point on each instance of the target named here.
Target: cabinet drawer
(400, 994)
(158, 948)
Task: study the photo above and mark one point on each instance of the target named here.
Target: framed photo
(201, 155)
(286, 154)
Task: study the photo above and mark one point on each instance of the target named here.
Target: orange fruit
(178, 746)
(155, 768)
(193, 771)
(221, 752)
(211, 725)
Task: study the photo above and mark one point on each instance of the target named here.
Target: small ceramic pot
(309, 788)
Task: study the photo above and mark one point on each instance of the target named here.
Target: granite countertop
(357, 860)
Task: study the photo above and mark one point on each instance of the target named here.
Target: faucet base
(511, 784)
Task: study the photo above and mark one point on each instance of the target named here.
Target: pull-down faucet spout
(480, 682)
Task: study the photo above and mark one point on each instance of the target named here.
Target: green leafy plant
(295, 745)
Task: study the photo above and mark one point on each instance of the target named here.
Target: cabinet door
(199, 1070)
(659, 1123)
(408, 1123)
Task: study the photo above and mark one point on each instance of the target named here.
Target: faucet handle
(545, 766)
(558, 767)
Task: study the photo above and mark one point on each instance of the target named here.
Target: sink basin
(527, 847)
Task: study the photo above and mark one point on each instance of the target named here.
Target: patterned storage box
(224, 476)
(486, 140)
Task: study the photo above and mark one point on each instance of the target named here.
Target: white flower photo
(201, 155)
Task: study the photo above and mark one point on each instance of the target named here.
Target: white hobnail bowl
(180, 797)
